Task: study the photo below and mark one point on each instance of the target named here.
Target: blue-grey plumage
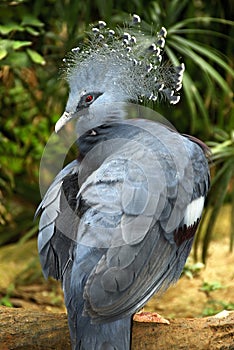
(118, 224)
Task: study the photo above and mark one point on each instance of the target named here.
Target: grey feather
(147, 227)
(51, 208)
(117, 226)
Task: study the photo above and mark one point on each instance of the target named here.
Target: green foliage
(208, 287)
(25, 124)
(191, 269)
(5, 300)
(35, 37)
(214, 306)
(222, 149)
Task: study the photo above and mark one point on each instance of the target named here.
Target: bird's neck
(100, 114)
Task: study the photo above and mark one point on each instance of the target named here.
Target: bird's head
(115, 68)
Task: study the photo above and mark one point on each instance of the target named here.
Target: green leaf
(180, 45)
(5, 301)
(189, 89)
(232, 222)
(31, 21)
(36, 57)
(192, 94)
(200, 103)
(17, 59)
(16, 44)
(13, 44)
(218, 192)
(195, 31)
(10, 27)
(195, 20)
(218, 175)
(210, 287)
(32, 31)
(3, 53)
(206, 51)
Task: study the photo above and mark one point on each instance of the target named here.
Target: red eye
(88, 98)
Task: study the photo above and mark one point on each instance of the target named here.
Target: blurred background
(36, 35)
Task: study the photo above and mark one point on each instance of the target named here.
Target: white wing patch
(194, 211)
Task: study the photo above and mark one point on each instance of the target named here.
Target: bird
(118, 222)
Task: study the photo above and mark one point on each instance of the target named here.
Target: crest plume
(125, 60)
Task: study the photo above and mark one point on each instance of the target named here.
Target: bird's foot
(149, 317)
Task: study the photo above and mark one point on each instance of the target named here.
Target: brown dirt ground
(22, 284)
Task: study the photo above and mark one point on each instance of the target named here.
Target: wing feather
(53, 258)
(150, 195)
(124, 230)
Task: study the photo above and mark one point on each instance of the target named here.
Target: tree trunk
(33, 330)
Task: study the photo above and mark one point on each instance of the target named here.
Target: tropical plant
(35, 37)
(222, 150)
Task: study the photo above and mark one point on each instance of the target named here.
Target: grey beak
(65, 117)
